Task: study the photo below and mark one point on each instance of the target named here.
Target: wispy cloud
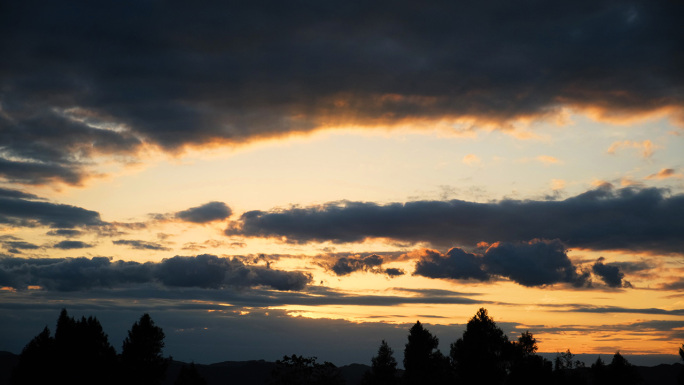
(471, 159)
(646, 147)
(140, 244)
(666, 173)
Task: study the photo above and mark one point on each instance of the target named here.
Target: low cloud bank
(202, 271)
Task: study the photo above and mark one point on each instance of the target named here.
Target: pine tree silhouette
(141, 356)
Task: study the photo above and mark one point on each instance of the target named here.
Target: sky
(268, 178)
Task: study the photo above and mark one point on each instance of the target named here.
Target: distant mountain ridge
(258, 372)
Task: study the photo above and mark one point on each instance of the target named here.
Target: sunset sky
(267, 178)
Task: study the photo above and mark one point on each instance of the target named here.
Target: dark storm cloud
(83, 79)
(68, 245)
(202, 271)
(600, 219)
(140, 245)
(24, 212)
(610, 274)
(536, 263)
(208, 212)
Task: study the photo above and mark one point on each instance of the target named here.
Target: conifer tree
(383, 367)
(141, 355)
(423, 363)
(482, 354)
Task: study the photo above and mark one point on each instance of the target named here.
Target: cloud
(16, 194)
(372, 264)
(535, 263)
(202, 271)
(208, 212)
(235, 72)
(18, 211)
(209, 271)
(610, 274)
(140, 245)
(471, 159)
(547, 159)
(14, 245)
(665, 174)
(65, 233)
(600, 219)
(647, 147)
(455, 264)
(558, 184)
(68, 245)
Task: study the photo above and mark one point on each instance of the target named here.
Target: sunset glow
(305, 173)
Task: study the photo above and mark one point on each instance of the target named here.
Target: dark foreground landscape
(259, 372)
(79, 353)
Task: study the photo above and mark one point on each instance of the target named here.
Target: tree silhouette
(141, 355)
(79, 353)
(189, 375)
(680, 378)
(621, 372)
(37, 361)
(526, 367)
(299, 370)
(563, 372)
(482, 354)
(423, 363)
(383, 367)
(599, 372)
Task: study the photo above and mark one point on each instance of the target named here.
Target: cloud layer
(203, 271)
(600, 219)
(112, 79)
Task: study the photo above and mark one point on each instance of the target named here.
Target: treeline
(484, 355)
(80, 353)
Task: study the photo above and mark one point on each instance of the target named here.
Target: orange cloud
(471, 159)
(647, 147)
(628, 182)
(557, 184)
(665, 174)
(547, 159)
